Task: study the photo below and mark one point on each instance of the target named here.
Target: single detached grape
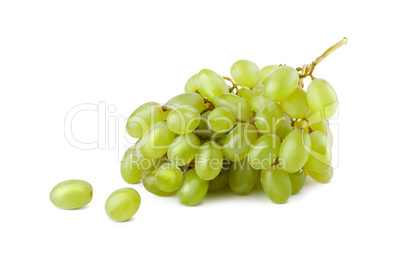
(246, 73)
(122, 204)
(71, 194)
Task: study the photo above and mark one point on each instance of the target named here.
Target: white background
(55, 55)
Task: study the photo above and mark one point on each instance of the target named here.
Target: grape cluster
(258, 126)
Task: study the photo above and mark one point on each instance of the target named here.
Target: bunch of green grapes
(258, 126)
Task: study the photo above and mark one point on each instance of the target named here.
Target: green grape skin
(183, 149)
(245, 73)
(208, 161)
(322, 177)
(242, 177)
(71, 194)
(239, 106)
(156, 141)
(122, 204)
(149, 182)
(266, 71)
(211, 84)
(143, 118)
(204, 131)
(244, 93)
(238, 142)
(257, 98)
(191, 84)
(297, 180)
(276, 184)
(323, 127)
(296, 105)
(294, 151)
(220, 182)
(322, 98)
(221, 120)
(193, 189)
(269, 118)
(129, 169)
(168, 177)
(183, 119)
(281, 83)
(285, 128)
(264, 152)
(320, 157)
(193, 99)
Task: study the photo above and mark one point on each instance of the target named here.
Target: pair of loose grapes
(269, 129)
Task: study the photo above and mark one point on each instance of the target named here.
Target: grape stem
(234, 85)
(307, 70)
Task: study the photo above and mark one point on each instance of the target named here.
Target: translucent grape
(242, 177)
(71, 194)
(183, 119)
(322, 177)
(211, 84)
(193, 189)
(156, 141)
(208, 161)
(323, 127)
(322, 98)
(183, 149)
(168, 177)
(320, 157)
(221, 120)
(297, 180)
(281, 83)
(204, 131)
(264, 152)
(219, 182)
(296, 105)
(143, 118)
(239, 106)
(246, 73)
(266, 71)
(294, 151)
(285, 128)
(129, 168)
(269, 118)
(191, 84)
(122, 204)
(257, 98)
(193, 99)
(148, 180)
(244, 93)
(276, 184)
(238, 142)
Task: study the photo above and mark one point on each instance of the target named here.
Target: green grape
(183, 119)
(221, 120)
(193, 99)
(191, 84)
(257, 98)
(193, 189)
(264, 152)
(156, 141)
(71, 194)
(221, 140)
(122, 204)
(211, 84)
(239, 106)
(208, 161)
(281, 83)
(238, 142)
(285, 128)
(294, 151)
(320, 157)
(183, 149)
(323, 127)
(322, 177)
(276, 184)
(297, 180)
(296, 105)
(246, 73)
(266, 71)
(204, 131)
(269, 118)
(322, 98)
(149, 182)
(219, 182)
(129, 168)
(242, 177)
(168, 177)
(244, 93)
(143, 118)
